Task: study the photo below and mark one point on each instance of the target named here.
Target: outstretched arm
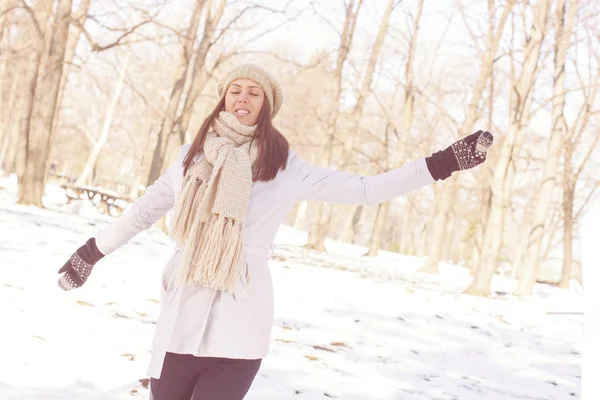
(156, 201)
(322, 184)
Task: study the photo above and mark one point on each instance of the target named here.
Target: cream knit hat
(255, 73)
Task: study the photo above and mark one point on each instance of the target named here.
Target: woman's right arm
(156, 201)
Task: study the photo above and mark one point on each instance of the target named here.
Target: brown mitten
(464, 154)
(79, 266)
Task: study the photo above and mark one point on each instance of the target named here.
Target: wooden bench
(106, 201)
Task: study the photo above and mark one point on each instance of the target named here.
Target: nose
(242, 98)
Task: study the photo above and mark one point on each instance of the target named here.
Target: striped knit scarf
(208, 219)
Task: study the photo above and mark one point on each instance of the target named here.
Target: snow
(347, 326)
(590, 233)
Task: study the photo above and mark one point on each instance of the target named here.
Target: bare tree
(99, 143)
(45, 71)
(505, 168)
(6, 135)
(405, 129)
(200, 73)
(563, 32)
(75, 33)
(573, 168)
(444, 203)
(355, 116)
(174, 106)
(31, 187)
(316, 236)
(3, 67)
(8, 151)
(27, 184)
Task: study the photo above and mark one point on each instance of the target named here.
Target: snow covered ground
(347, 327)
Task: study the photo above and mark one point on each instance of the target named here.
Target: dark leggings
(187, 377)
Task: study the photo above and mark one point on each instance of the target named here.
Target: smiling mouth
(242, 112)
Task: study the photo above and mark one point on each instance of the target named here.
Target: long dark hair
(273, 147)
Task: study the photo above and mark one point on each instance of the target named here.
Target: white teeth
(244, 112)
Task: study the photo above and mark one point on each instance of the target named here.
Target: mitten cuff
(90, 253)
(441, 164)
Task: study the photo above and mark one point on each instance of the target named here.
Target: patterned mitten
(79, 267)
(467, 153)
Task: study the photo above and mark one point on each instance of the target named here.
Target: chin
(244, 120)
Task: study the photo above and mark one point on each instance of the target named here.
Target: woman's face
(244, 99)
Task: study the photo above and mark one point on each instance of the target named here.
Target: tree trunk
(3, 115)
(200, 75)
(572, 171)
(486, 199)
(73, 39)
(11, 145)
(563, 32)
(301, 215)
(405, 236)
(174, 106)
(3, 8)
(455, 248)
(319, 211)
(10, 125)
(520, 246)
(352, 224)
(438, 227)
(409, 100)
(382, 209)
(31, 184)
(424, 242)
(568, 195)
(379, 228)
(485, 72)
(4, 148)
(99, 144)
(450, 239)
(31, 72)
(505, 168)
(355, 116)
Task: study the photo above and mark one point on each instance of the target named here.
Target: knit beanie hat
(256, 74)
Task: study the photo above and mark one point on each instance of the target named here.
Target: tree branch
(82, 128)
(587, 156)
(33, 18)
(576, 217)
(119, 42)
(9, 9)
(328, 22)
(471, 33)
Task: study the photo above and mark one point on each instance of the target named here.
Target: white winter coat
(204, 322)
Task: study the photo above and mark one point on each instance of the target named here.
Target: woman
(229, 191)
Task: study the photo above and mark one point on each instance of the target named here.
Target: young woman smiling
(229, 191)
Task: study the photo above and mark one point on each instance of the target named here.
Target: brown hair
(273, 147)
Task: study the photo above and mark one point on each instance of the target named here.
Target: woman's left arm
(322, 184)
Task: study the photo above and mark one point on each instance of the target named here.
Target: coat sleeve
(157, 200)
(321, 184)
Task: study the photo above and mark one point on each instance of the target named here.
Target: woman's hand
(464, 154)
(79, 266)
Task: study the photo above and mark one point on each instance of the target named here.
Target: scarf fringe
(216, 261)
(183, 214)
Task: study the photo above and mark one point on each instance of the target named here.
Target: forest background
(103, 92)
